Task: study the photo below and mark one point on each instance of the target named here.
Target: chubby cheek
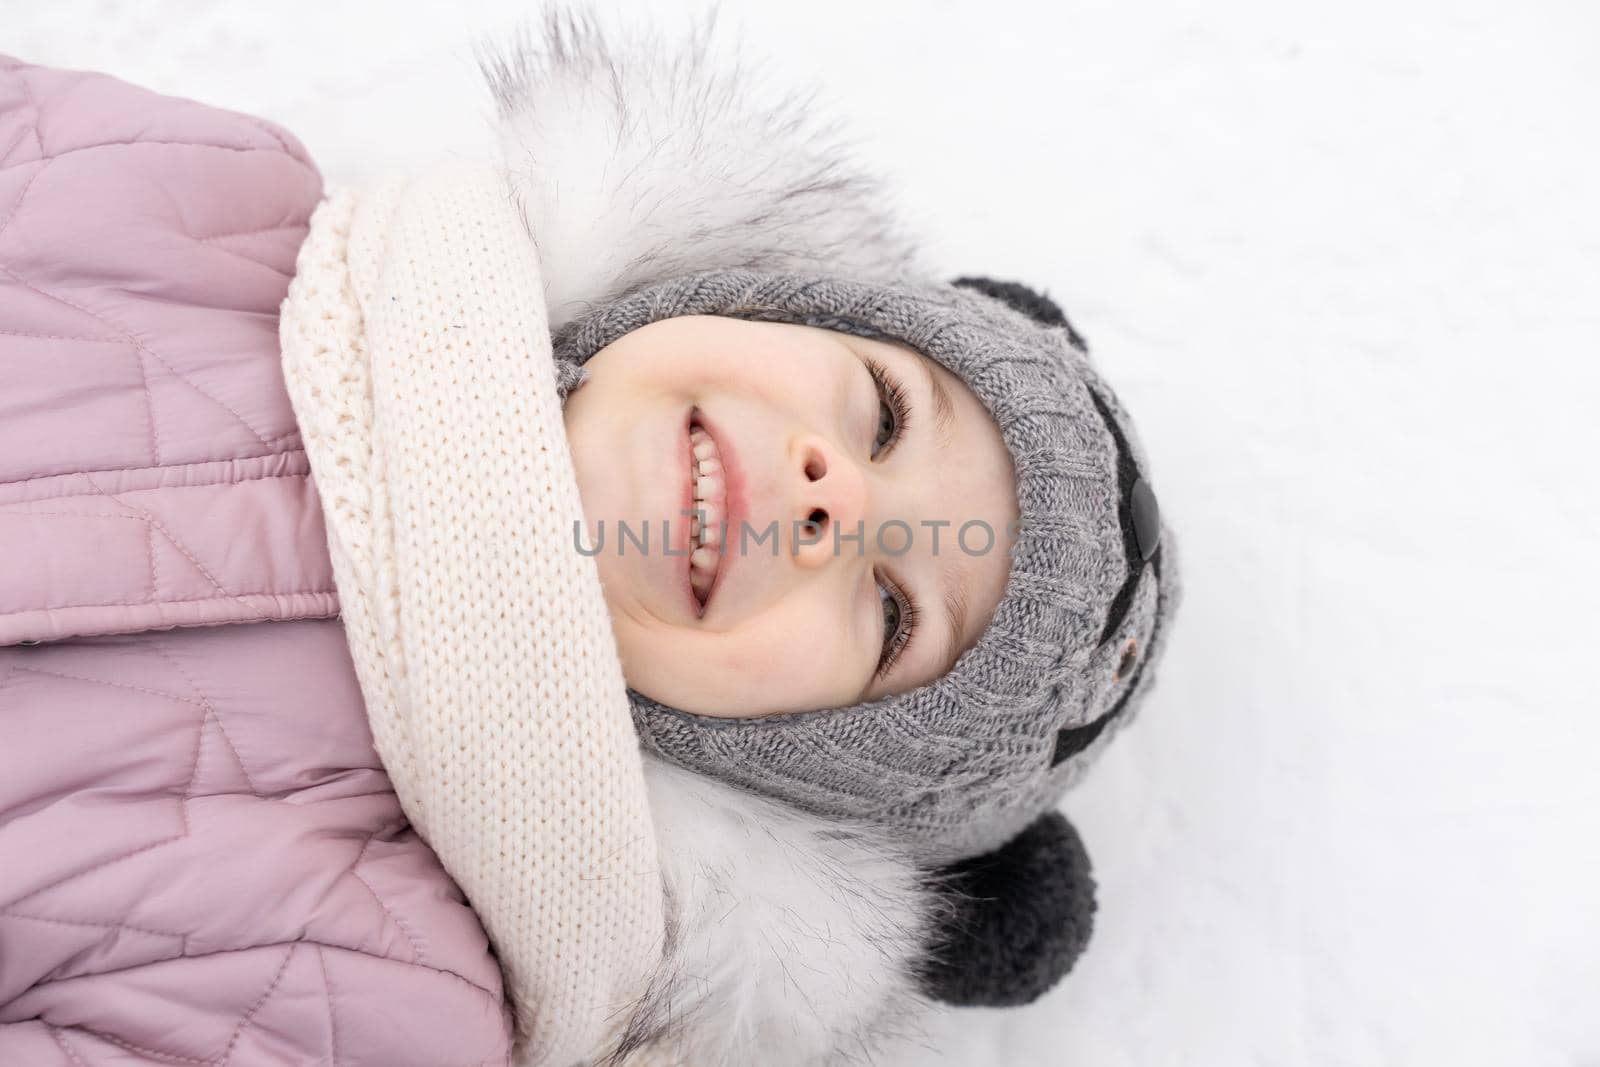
(784, 371)
(795, 670)
(740, 674)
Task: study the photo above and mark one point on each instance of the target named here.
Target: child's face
(800, 432)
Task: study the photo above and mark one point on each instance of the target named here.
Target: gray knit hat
(960, 766)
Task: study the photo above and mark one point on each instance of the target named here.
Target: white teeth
(705, 532)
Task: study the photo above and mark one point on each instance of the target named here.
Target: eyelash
(896, 643)
(891, 395)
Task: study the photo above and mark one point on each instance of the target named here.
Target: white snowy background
(1342, 262)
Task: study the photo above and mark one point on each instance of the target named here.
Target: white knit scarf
(417, 358)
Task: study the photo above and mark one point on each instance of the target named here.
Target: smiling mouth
(709, 490)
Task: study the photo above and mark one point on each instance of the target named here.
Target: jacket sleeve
(201, 859)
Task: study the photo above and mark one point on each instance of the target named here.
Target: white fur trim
(636, 159)
(790, 939)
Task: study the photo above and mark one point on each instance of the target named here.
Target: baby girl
(730, 600)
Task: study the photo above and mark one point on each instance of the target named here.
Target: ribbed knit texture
(418, 362)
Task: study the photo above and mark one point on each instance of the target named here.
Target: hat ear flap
(1034, 304)
(1017, 919)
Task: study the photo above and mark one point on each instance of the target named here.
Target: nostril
(818, 518)
(815, 467)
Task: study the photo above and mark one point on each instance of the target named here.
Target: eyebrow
(952, 576)
(944, 412)
(955, 607)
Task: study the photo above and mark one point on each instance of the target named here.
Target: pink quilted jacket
(201, 859)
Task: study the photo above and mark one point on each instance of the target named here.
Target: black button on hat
(1146, 519)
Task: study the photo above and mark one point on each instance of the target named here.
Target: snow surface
(1342, 261)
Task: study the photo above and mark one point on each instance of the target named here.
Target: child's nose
(830, 504)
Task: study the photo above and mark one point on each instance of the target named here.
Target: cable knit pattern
(418, 362)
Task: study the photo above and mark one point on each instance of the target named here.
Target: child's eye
(886, 426)
(893, 408)
(899, 623)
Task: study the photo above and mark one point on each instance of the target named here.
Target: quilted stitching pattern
(118, 551)
(201, 860)
(229, 815)
(145, 245)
